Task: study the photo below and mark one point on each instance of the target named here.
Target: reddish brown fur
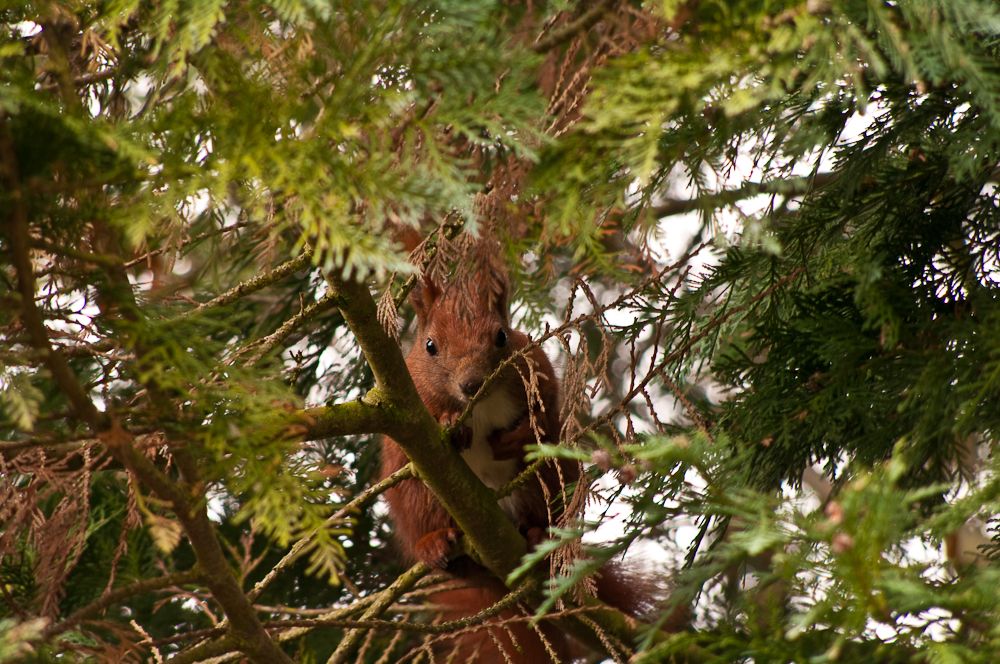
(463, 324)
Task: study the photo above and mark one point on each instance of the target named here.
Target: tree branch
(789, 187)
(184, 243)
(260, 281)
(262, 347)
(386, 598)
(90, 350)
(115, 596)
(96, 77)
(20, 240)
(336, 614)
(342, 419)
(9, 448)
(246, 633)
(58, 62)
(507, 602)
(204, 651)
(103, 260)
(572, 29)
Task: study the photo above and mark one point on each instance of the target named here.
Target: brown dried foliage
(44, 509)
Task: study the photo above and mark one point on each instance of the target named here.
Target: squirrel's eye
(501, 338)
(431, 348)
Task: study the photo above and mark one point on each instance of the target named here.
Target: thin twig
(789, 187)
(508, 488)
(368, 494)
(571, 30)
(386, 598)
(507, 602)
(260, 281)
(262, 347)
(709, 327)
(116, 596)
(196, 238)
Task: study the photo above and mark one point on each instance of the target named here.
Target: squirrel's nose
(470, 387)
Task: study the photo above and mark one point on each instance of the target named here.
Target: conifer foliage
(759, 238)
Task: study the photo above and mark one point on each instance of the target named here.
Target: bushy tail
(638, 594)
(618, 585)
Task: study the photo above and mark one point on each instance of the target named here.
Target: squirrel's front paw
(461, 438)
(509, 443)
(434, 548)
(535, 536)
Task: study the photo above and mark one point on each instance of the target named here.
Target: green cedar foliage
(186, 180)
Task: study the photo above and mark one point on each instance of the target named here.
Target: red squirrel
(463, 335)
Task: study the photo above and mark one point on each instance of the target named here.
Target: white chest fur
(497, 411)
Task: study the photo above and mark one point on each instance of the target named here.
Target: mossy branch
(407, 421)
(402, 584)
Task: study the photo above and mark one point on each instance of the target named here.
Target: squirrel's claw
(509, 443)
(535, 536)
(435, 547)
(461, 438)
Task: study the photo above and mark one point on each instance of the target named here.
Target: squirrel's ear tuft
(496, 287)
(408, 236)
(423, 298)
(492, 285)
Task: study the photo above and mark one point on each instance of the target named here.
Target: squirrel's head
(464, 328)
